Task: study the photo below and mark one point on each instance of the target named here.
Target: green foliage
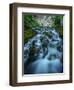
(30, 22)
(58, 20)
(58, 24)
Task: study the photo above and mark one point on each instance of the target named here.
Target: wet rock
(60, 48)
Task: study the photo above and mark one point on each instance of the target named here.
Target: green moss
(60, 31)
(28, 34)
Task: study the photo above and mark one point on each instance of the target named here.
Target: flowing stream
(43, 53)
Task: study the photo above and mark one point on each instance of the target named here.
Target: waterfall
(43, 53)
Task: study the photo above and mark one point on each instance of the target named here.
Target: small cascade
(43, 53)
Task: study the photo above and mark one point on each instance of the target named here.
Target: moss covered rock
(28, 34)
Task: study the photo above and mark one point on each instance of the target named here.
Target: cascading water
(43, 53)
